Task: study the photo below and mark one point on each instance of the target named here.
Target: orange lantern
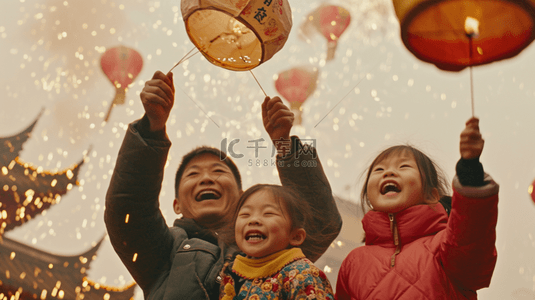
(295, 86)
(434, 31)
(237, 35)
(121, 65)
(331, 21)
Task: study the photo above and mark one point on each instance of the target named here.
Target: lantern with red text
(329, 20)
(121, 65)
(295, 86)
(456, 34)
(237, 35)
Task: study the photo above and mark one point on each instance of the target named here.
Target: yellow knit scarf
(251, 268)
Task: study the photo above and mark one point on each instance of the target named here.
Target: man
(184, 261)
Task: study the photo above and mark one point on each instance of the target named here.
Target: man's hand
(471, 142)
(278, 119)
(158, 97)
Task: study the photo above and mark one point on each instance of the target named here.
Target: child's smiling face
(264, 227)
(395, 183)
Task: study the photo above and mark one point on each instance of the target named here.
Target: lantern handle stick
(189, 57)
(471, 75)
(184, 58)
(251, 71)
(472, 90)
(258, 83)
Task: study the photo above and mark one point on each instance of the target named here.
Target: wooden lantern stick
(251, 71)
(471, 28)
(186, 57)
(258, 83)
(471, 76)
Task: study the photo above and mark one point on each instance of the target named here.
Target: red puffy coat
(436, 257)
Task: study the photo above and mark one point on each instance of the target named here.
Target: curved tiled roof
(36, 274)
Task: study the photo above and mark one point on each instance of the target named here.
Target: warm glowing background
(50, 58)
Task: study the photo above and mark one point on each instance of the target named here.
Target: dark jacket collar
(413, 223)
(194, 230)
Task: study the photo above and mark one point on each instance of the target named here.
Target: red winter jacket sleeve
(468, 251)
(341, 283)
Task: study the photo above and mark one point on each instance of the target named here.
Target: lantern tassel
(258, 83)
(109, 112)
(298, 112)
(120, 95)
(331, 50)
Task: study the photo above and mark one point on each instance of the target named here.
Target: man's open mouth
(208, 195)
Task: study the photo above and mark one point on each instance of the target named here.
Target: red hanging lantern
(295, 86)
(331, 21)
(434, 31)
(121, 65)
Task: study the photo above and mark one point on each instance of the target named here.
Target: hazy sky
(50, 57)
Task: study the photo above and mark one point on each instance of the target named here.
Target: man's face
(208, 191)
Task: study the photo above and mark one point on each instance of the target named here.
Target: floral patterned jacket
(287, 274)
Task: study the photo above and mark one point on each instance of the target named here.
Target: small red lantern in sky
(295, 86)
(121, 65)
(331, 21)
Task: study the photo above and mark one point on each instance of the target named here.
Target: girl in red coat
(413, 249)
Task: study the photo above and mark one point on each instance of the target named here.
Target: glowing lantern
(121, 65)
(296, 85)
(456, 34)
(237, 35)
(531, 191)
(331, 21)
